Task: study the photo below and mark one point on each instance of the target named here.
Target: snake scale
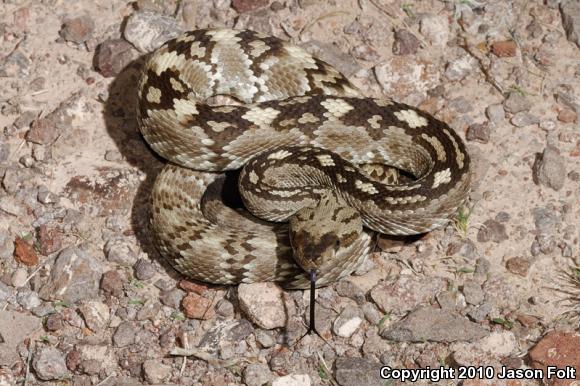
(309, 144)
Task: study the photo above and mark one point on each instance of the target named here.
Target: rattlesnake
(302, 130)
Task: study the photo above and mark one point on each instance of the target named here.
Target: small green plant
(322, 373)
(465, 270)
(137, 284)
(408, 9)
(177, 316)
(504, 322)
(518, 90)
(461, 221)
(381, 322)
(236, 370)
(60, 304)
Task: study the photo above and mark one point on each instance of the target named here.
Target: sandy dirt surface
(85, 299)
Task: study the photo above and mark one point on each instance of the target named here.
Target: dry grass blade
(570, 290)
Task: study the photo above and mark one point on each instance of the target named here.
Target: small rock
(50, 240)
(243, 6)
(350, 290)
(73, 360)
(459, 68)
(19, 277)
(447, 300)
(516, 103)
(54, 322)
(479, 132)
(570, 11)
(547, 220)
(357, 371)
(49, 364)
(25, 253)
(5, 292)
(6, 245)
(172, 298)
(435, 29)
(144, 269)
(550, 169)
(276, 6)
(333, 55)
(112, 56)
(16, 64)
(365, 52)
(548, 125)
(112, 283)
(473, 292)
(464, 248)
(406, 76)
(567, 116)
(479, 314)
(435, 325)
(535, 29)
(505, 48)
(498, 344)
(164, 7)
(124, 334)
(155, 371)
(28, 299)
(495, 113)
(225, 335)
(95, 314)
(372, 314)
(190, 286)
(523, 119)
(73, 277)
(406, 293)
(518, 265)
(225, 308)
(94, 358)
(263, 304)
(121, 252)
(78, 30)
(527, 320)
(10, 204)
(502, 216)
(149, 310)
(15, 327)
(4, 151)
(46, 130)
(347, 322)
(557, 348)
(148, 30)
(265, 338)
(257, 374)
(292, 380)
(197, 307)
(492, 230)
(405, 43)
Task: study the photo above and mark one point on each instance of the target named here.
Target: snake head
(321, 234)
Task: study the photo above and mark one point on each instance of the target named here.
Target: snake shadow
(120, 118)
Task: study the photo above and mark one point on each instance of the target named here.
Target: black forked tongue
(312, 324)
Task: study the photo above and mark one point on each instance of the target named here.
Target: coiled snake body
(303, 132)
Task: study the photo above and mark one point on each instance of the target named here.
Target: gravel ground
(86, 300)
